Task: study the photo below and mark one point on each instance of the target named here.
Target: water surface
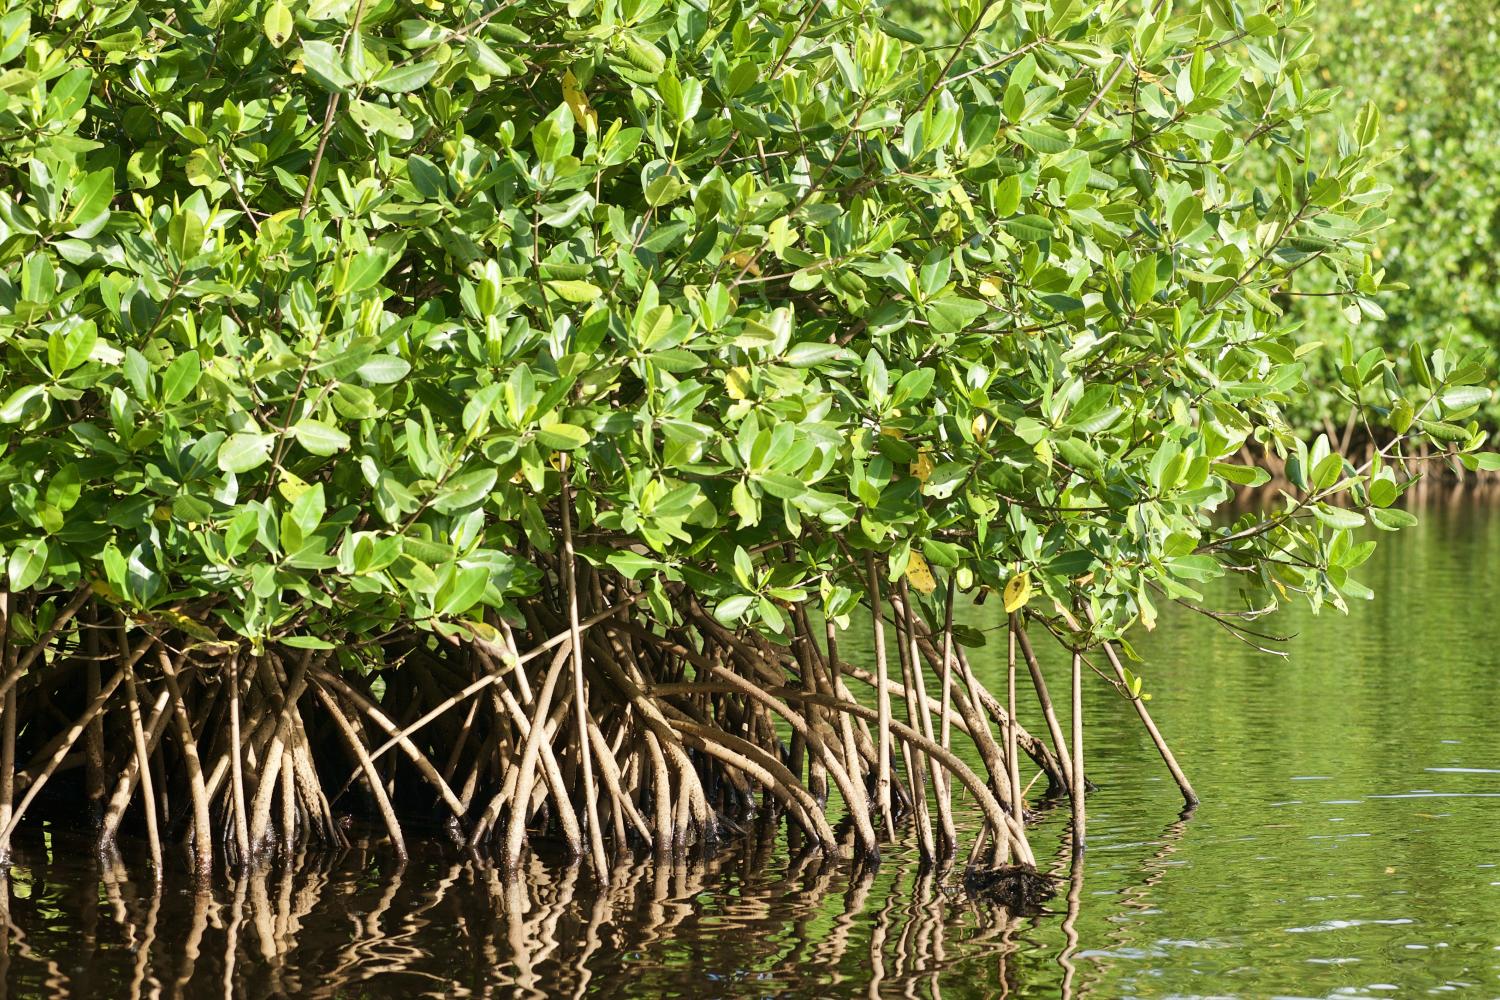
(1348, 845)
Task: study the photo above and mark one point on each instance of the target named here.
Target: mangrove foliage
(501, 410)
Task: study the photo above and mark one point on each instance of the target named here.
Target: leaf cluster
(309, 308)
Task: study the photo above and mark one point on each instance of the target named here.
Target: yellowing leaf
(291, 486)
(737, 383)
(1017, 592)
(181, 622)
(100, 588)
(990, 288)
(745, 260)
(278, 24)
(919, 574)
(980, 426)
(578, 103)
(922, 467)
(894, 432)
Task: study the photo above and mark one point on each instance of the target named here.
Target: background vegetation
(1443, 237)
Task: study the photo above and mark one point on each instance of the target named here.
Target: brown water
(1348, 846)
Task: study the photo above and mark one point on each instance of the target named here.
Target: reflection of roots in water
(1136, 895)
(324, 925)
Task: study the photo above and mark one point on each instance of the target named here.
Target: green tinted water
(1347, 845)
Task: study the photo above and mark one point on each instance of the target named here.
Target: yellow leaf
(893, 432)
(1017, 592)
(578, 103)
(103, 590)
(919, 574)
(737, 383)
(922, 467)
(291, 486)
(1043, 452)
(745, 260)
(980, 426)
(990, 288)
(181, 622)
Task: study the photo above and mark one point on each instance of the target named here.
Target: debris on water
(1021, 889)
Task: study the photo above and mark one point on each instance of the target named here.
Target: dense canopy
(333, 329)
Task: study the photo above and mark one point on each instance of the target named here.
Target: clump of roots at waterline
(690, 730)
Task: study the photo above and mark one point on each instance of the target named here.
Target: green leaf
(809, 355)
(374, 117)
(325, 65)
(1439, 430)
(1484, 461)
(91, 203)
(1419, 367)
(65, 487)
(575, 291)
(1327, 472)
(319, 438)
(463, 589)
(181, 378)
(1383, 492)
(1242, 475)
(26, 403)
(562, 437)
(780, 485)
(245, 451)
(70, 346)
(952, 313)
(15, 31)
(1143, 281)
(1463, 397)
(1338, 517)
(383, 369)
(309, 508)
(306, 642)
(1391, 519)
(364, 270)
(1008, 196)
(485, 58)
(1032, 228)
(412, 76)
(732, 609)
(465, 491)
(27, 561)
(633, 565)
(1045, 138)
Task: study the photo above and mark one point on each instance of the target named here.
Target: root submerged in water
(1021, 889)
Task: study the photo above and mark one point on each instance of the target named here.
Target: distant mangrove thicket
(1442, 242)
(504, 408)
